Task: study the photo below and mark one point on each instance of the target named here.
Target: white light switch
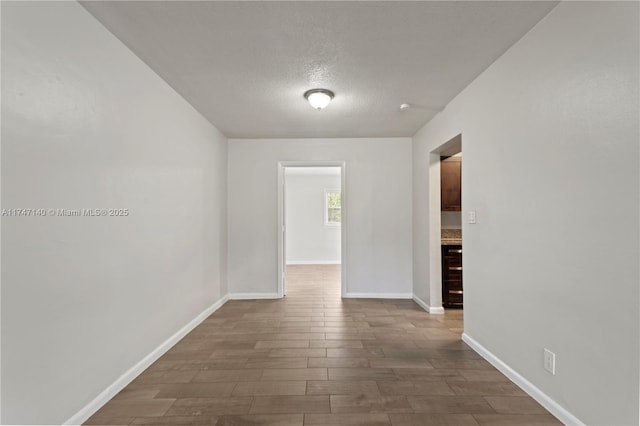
(472, 216)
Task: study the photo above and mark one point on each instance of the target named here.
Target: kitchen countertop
(451, 237)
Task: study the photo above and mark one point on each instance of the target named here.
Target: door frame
(281, 229)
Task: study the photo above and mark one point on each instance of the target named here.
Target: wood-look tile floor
(316, 359)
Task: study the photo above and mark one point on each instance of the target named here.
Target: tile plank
(433, 420)
(262, 420)
(209, 406)
(347, 419)
(369, 404)
(270, 388)
(290, 404)
(342, 387)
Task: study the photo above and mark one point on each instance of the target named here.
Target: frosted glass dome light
(319, 98)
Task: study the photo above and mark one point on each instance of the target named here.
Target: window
(332, 207)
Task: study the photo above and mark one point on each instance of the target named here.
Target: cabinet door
(452, 291)
(450, 183)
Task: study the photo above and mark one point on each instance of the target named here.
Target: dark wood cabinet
(450, 184)
(452, 276)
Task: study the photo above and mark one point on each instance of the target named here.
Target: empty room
(316, 213)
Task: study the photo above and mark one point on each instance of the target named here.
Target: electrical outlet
(550, 361)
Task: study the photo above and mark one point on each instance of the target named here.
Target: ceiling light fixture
(318, 98)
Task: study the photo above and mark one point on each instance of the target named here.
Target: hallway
(312, 358)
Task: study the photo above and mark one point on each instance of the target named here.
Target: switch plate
(550, 361)
(472, 217)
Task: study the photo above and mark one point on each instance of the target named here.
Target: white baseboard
(377, 295)
(543, 399)
(313, 262)
(248, 296)
(122, 381)
(439, 310)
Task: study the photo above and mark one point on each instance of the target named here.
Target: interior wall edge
(88, 410)
(436, 310)
(564, 415)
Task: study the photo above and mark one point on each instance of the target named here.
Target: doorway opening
(311, 225)
(445, 227)
(451, 230)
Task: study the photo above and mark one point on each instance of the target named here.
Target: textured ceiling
(245, 65)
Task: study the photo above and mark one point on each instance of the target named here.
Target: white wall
(378, 217)
(550, 142)
(87, 125)
(309, 239)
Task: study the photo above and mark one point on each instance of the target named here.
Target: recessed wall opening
(311, 217)
(445, 227)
